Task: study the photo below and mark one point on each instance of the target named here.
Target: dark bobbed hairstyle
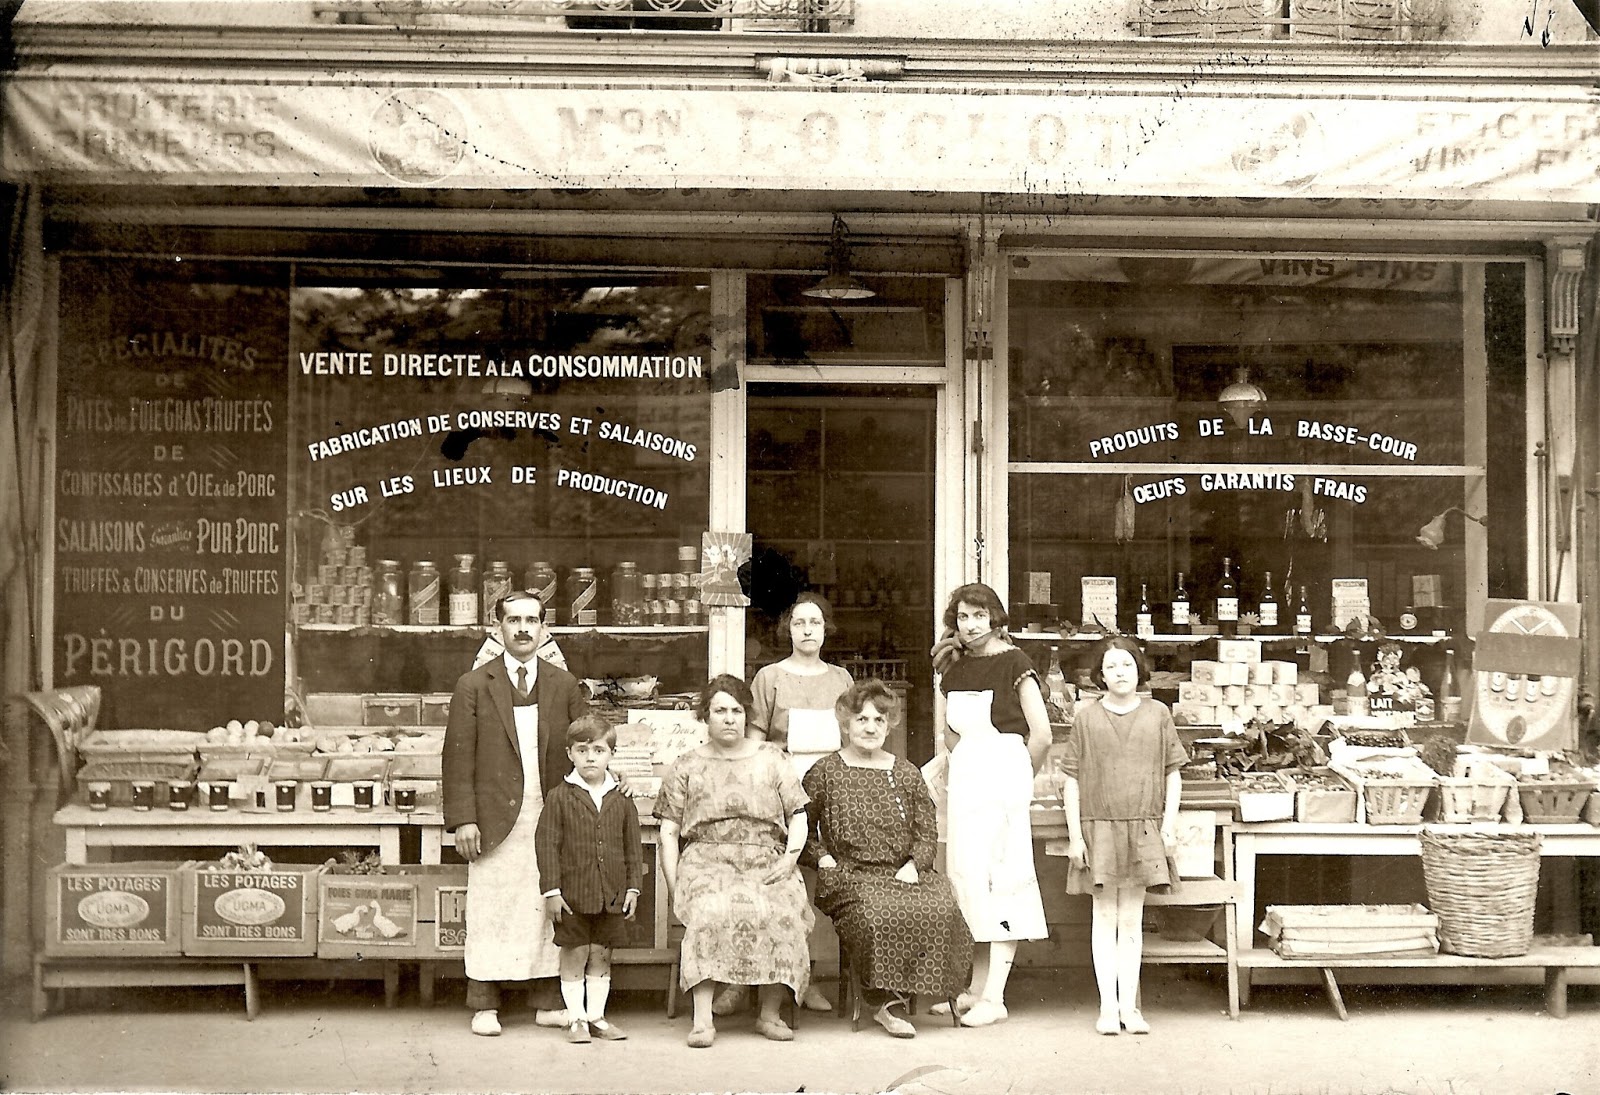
(808, 599)
(977, 595)
(517, 595)
(722, 682)
(1097, 657)
(591, 728)
(855, 699)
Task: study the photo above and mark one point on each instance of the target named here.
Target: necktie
(522, 679)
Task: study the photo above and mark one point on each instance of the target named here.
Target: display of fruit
(246, 858)
(258, 735)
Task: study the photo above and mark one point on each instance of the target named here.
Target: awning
(1160, 139)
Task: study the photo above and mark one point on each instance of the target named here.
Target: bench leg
(425, 983)
(1244, 988)
(1329, 983)
(252, 992)
(1555, 991)
(41, 998)
(391, 984)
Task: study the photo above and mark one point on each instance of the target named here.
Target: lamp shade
(1431, 535)
(1241, 399)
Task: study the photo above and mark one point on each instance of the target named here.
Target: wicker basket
(1482, 886)
(1463, 799)
(1553, 803)
(1395, 801)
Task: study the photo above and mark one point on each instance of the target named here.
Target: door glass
(841, 503)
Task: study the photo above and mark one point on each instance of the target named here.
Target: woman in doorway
(998, 733)
(794, 709)
(733, 825)
(1121, 801)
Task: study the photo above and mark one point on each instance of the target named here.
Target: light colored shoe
(1108, 1023)
(702, 1037)
(896, 1026)
(964, 1003)
(486, 1023)
(1134, 1023)
(814, 1000)
(578, 1032)
(774, 1030)
(984, 1013)
(730, 999)
(554, 1019)
(605, 1031)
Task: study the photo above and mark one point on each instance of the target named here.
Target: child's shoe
(606, 1031)
(578, 1032)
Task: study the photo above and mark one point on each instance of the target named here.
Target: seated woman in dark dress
(872, 842)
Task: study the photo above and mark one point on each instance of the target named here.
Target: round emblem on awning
(418, 136)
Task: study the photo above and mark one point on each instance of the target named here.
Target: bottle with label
(649, 605)
(625, 611)
(1057, 691)
(1268, 605)
(1448, 708)
(1180, 606)
(694, 612)
(1228, 601)
(496, 584)
(1144, 623)
(583, 591)
(388, 594)
(541, 579)
(1355, 686)
(422, 590)
(462, 587)
(1302, 616)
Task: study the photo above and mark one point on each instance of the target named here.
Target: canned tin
(300, 613)
(322, 614)
(284, 794)
(680, 586)
(344, 614)
(655, 612)
(363, 616)
(358, 555)
(338, 595)
(328, 574)
(688, 557)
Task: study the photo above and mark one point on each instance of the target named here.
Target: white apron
(989, 843)
(813, 734)
(509, 938)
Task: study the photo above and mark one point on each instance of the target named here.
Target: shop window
(556, 420)
(1303, 417)
(902, 322)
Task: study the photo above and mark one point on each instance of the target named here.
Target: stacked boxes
(1239, 691)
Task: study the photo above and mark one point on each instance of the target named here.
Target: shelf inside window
(480, 630)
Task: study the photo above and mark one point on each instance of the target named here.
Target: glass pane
(902, 322)
(1197, 410)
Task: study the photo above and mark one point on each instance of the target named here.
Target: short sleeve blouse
(1002, 674)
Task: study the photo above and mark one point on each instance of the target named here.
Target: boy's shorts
(608, 929)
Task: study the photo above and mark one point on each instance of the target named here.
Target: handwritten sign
(170, 533)
(673, 733)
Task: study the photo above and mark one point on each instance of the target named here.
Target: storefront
(299, 336)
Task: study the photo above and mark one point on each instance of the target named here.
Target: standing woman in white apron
(998, 732)
(505, 745)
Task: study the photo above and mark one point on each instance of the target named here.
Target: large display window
(1340, 426)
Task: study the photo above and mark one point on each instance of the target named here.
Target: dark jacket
(482, 768)
(592, 856)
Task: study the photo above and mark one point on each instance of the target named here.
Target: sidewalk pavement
(338, 1037)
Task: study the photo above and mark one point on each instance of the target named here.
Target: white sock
(572, 996)
(599, 988)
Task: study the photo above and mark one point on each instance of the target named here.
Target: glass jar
(388, 594)
(464, 591)
(423, 589)
(583, 589)
(625, 610)
(541, 579)
(496, 584)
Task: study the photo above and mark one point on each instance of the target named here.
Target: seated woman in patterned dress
(733, 825)
(872, 842)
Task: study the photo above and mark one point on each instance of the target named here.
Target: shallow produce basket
(1464, 799)
(1549, 803)
(1482, 886)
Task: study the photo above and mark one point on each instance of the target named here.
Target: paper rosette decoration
(721, 556)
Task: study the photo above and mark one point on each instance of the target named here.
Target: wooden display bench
(1556, 962)
(1159, 951)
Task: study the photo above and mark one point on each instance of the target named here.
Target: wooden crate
(389, 915)
(113, 910)
(1264, 796)
(250, 913)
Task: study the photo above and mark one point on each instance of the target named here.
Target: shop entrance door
(841, 501)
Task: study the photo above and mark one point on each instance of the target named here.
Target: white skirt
(989, 844)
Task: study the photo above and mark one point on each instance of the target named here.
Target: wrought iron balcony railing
(659, 15)
(1315, 20)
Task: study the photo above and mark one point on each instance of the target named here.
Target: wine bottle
(1144, 624)
(1355, 686)
(1055, 686)
(1180, 606)
(1302, 618)
(1268, 606)
(1449, 706)
(1228, 600)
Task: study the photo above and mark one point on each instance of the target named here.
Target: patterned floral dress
(898, 936)
(733, 818)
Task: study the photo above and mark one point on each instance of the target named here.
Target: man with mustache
(504, 749)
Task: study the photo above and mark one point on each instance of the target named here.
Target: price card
(673, 733)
